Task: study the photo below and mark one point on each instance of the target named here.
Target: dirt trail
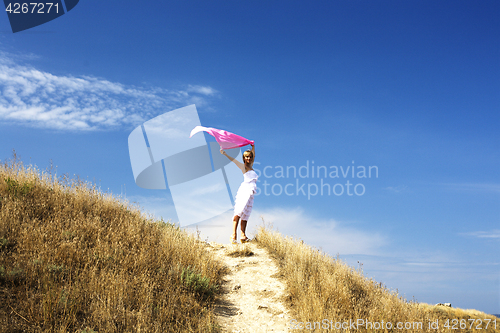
(251, 293)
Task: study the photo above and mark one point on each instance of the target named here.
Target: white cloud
(424, 264)
(494, 234)
(35, 98)
(203, 90)
(331, 235)
(397, 189)
(473, 187)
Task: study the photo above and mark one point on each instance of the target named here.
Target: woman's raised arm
(240, 165)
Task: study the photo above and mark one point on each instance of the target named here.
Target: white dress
(244, 198)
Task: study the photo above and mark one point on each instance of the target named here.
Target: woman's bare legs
(236, 219)
(243, 228)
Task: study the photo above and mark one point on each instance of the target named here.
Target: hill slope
(76, 260)
(73, 259)
(326, 293)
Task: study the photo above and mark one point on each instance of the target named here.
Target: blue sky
(411, 87)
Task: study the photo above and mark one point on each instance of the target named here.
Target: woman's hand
(222, 151)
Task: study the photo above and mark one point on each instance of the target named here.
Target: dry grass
(73, 259)
(76, 260)
(321, 287)
(241, 251)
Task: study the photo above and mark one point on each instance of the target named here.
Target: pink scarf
(226, 140)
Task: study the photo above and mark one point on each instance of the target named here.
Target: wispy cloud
(35, 98)
(424, 264)
(203, 90)
(473, 187)
(397, 189)
(331, 235)
(493, 234)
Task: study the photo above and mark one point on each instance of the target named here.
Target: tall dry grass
(73, 259)
(320, 287)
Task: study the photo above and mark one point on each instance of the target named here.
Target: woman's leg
(243, 229)
(236, 219)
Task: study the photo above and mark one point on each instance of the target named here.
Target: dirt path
(251, 293)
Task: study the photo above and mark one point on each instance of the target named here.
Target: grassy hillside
(73, 259)
(327, 294)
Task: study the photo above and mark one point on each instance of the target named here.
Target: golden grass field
(321, 287)
(73, 259)
(76, 260)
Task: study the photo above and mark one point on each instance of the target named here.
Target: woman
(244, 198)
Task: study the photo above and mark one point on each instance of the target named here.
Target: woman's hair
(246, 153)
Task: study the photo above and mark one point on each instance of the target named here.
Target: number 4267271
(32, 7)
